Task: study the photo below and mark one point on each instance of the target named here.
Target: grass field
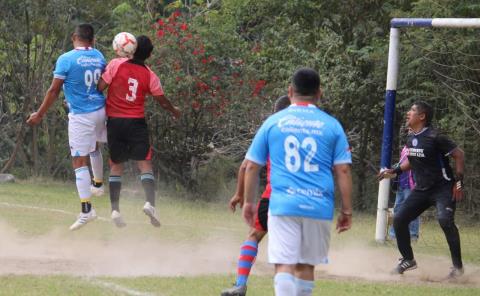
(193, 253)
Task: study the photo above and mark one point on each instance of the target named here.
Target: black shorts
(261, 220)
(128, 139)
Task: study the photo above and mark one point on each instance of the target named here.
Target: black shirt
(428, 156)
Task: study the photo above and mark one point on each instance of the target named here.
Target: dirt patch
(55, 253)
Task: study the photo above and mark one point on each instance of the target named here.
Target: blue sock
(248, 253)
(284, 284)
(304, 287)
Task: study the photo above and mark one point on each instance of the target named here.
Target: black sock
(148, 183)
(115, 184)
(86, 207)
(97, 184)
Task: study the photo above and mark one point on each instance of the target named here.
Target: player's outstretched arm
(50, 97)
(393, 172)
(102, 85)
(167, 105)
(237, 198)
(343, 174)
(459, 157)
(252, 180)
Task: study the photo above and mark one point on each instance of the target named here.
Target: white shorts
(293, 240)
(85, 130)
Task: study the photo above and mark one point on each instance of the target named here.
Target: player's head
(83, 33)
(305, 85)
(281, 103)
(144, 48)
(420, 113)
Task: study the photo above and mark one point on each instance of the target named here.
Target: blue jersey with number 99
(81, 69)
(304, 143)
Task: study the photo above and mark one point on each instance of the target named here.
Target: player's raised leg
(82, 177)
(96, 161)
(148, 184)
(115, 186)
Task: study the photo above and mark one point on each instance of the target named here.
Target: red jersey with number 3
(129, 83)
(268, 187)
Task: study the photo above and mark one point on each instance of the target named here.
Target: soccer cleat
(149, 210)
(97, 191)
(117, 219)
(84, 218)
(455, 273)
(235, 291)
(404, 265)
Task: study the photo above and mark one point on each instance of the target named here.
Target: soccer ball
(124, 44)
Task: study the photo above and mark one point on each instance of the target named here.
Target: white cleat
(97, 191)
(117, 219)
(84, 219)
(149, 210)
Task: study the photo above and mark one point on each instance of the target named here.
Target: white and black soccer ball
(124, 44)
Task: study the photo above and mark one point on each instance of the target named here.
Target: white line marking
(116, 287)
(13, 205)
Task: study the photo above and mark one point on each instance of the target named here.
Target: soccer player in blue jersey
(78, 72)
(304, 145)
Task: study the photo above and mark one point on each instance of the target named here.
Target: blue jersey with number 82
(81, 70)
(304, 143)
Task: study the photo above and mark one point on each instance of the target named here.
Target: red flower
(215, 78)
(195, 52)
(258, 87)
(160, 33)
(196, 105)
(183, 27)
(176, 13)
(257, 48)
(160, 22)
(204, 61)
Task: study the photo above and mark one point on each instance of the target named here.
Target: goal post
(390, 95)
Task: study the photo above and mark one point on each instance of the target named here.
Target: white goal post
(391, 90)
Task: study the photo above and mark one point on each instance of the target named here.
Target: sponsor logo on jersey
(416, 152)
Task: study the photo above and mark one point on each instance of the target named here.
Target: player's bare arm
(237, 198)
(252, 180)
(50, 97)
(167, 105)
(102, 85)
(393, 172)
(459, 157)
(343, 175)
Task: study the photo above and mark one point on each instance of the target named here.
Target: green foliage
(225, 62)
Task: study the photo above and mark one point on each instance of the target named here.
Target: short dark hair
(144, 48)
(427, 109)
(281, 103)
(85, 32)
(306, 82)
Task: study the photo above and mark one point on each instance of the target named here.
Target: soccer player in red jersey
(129, 81)
(249, 248)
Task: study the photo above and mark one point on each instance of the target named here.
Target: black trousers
(419, 201)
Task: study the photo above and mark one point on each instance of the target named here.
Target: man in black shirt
(436, 184)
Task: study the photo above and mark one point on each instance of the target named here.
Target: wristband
(459, 177)
(345, 214)
(397, 170)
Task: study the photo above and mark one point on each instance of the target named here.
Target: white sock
(96, 160)
(284, 284)
(82, 176)
(304, 287)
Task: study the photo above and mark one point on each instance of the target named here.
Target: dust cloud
(57, 253)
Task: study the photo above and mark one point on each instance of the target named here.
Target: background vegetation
(225, 61)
